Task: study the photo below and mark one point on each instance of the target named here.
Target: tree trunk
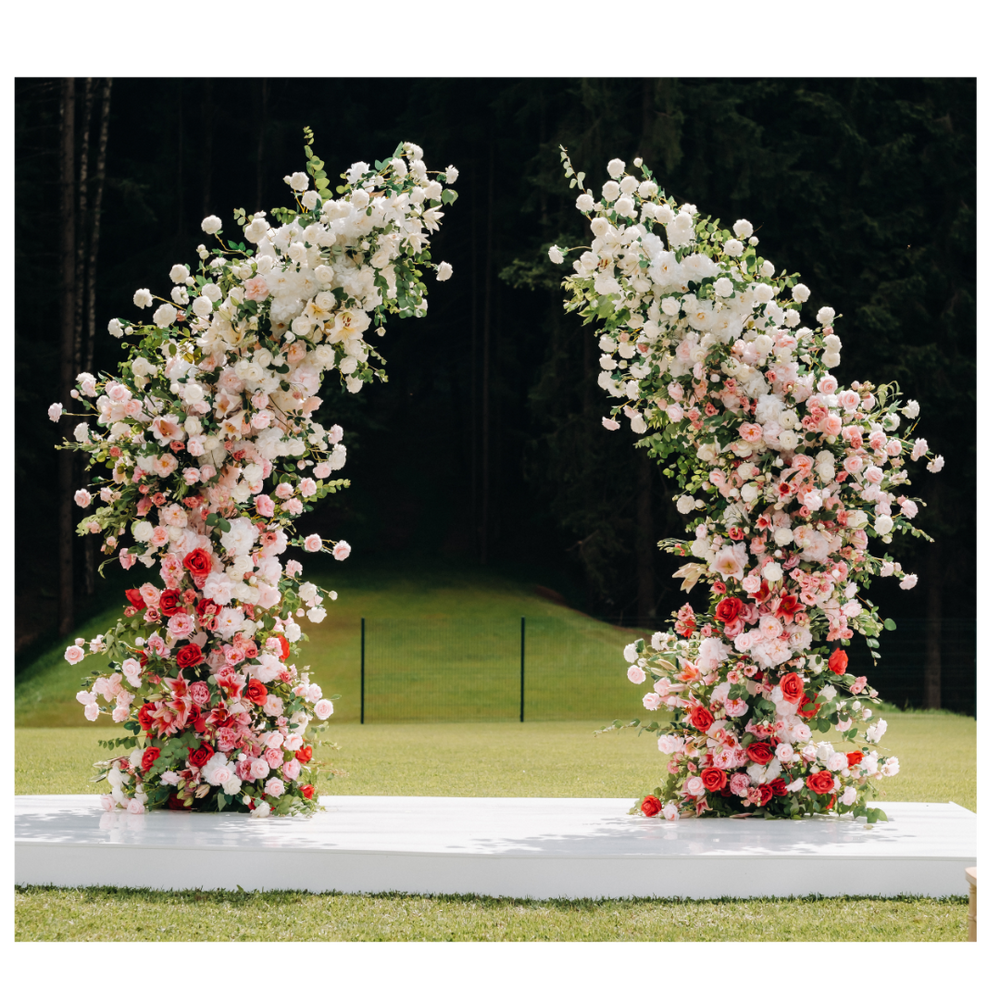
(645, 591)
(487, 308)
(207, 130)
(66, 373)
(87, 349)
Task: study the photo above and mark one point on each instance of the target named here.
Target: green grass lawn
(575, 679)
(441, 645)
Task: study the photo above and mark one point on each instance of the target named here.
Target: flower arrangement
(788, 476)
(211, 451)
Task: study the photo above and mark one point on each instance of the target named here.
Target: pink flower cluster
(209, 432)
(790, 477)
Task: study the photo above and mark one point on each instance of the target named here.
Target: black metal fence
(437, 669)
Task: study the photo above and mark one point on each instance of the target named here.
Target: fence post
(522, 668)
(362, 671)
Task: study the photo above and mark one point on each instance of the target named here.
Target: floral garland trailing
(706, 353)
(212, 453)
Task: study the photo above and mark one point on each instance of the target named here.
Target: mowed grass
(442, 645)
(574, 664)
(937, 753)
(108, 914)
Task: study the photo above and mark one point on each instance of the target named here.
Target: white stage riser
(518, 847)
(520, 877)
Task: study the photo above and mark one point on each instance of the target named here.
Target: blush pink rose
(74, 654)
(313, 543)
(341, 550)
(264, 505)
(291, 769)
(256, 289)
(259, 768)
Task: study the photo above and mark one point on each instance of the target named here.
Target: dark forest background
(485, 447)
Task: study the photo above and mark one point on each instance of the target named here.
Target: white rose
(211, 224)
(585, 203)
(743, 229)
(202, 306)
(555, 255)
(179, 274)
(165, 315)
(142, 298)
(800, 292)
(911, 410)
(616, 168)
(883, 524)
(825, 316)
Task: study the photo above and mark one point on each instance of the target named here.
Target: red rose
(285, 648)
(135, 599)
(808, 708)
(307, 790)
(651, 806)
(207, 607)
(149, 756)
(729, 610)
(838, 662)
(713, 778)
(304, 754)
(854, 758)
(170, 603)
(198, 562)
(256, 691)
(189, 655)
(759, 753)
(778, 788)
(146, 717)
(764, 794)
(177, 803)
(701, 718)
(821, 783)
(792, 687)
(200, 756)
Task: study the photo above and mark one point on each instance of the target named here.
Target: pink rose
(91, 711)
(636, 674)
(609, 424)
(274, 786)
(273, 757)
(291, 769)
(265, 505)
(323, 709)
(341, 550)
(283, 491)
(82, 498)
(200, 693)
(739, 783)
(919, 448)
(256, 289)
(307, 487)
(293, 506)
(259, 768)
(313, 543)
(74, 654)
(322, 470)
(908, 582)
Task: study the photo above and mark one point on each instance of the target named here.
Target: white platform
(537, 848)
